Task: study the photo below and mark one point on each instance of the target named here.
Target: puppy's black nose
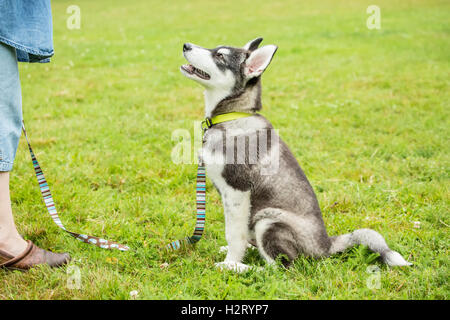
(187, 47)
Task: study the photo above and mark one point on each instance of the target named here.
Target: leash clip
(206, 124)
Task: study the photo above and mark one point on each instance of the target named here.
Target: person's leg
(10, 129)
(10, 240)
(15, 252)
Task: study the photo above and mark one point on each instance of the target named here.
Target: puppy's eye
(219, 55)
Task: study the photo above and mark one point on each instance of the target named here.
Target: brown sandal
(32, 256)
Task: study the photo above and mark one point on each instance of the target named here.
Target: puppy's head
(226, 68)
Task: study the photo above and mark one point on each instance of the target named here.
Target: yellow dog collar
(209, 122)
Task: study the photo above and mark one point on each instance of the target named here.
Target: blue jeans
(10, 107)
(27, 26)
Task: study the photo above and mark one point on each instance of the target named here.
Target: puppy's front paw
(224, 249)
(234, 266)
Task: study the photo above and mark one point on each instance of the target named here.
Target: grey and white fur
(278, 213)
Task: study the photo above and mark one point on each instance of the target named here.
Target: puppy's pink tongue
(189, 67)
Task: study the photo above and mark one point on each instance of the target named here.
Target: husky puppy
(275, 210)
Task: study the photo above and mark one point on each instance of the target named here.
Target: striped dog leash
(50, 204)
(201, 212)
(201, 183)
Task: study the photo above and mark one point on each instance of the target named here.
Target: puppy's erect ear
(253, 44)
(259, 60)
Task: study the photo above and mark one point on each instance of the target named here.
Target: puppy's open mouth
(189, 68)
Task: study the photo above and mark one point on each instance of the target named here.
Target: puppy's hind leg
(283, 233)
(275, 238)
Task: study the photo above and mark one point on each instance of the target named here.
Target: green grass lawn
(366, 113)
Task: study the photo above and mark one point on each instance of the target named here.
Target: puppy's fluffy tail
(373, 240)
